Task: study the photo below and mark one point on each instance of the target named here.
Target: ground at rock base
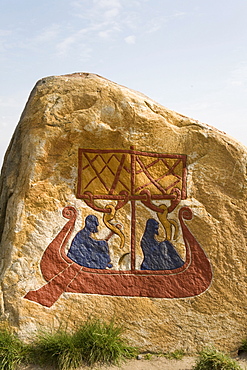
(155, 363)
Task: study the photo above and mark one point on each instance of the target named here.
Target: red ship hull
(64, 275)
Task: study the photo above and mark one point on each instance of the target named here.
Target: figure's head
(152, 227)
(91, 223)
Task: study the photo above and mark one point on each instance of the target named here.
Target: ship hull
(64, 275)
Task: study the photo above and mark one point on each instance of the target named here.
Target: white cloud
(4, 33)
(105, 34)
(82, 37)
(178, 15)
(48, 34)
(130, 39)
(111, 13)
(237, 82)
(100, 10)
(239, 75)
(17, 39)
(64, 46)
(77, 41)
(92, 21)
(156, 23)
(100, 20)
(4, 36)
(107, 3)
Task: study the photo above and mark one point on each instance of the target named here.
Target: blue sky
(188, 55)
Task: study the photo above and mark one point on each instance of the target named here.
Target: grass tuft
(55, 349)
(12, 351)
(94, 342)
(243, 347)
(103, 343)
(211, 359)
(178, 354)
(148, 356)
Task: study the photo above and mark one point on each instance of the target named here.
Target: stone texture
(39, 178)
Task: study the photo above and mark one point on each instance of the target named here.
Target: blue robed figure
(89, 252)
(158, 255)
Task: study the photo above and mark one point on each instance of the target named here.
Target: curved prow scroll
(55, 266)
(54, 255)
(200, 270)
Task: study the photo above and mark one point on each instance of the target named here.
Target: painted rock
(114, 206)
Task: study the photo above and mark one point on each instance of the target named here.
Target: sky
(188, 55)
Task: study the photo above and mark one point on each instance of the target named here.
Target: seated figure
(87, 251)
(158, 255)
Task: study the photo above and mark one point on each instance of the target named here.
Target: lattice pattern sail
(109, 172)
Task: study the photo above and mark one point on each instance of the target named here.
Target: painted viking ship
(123, 177)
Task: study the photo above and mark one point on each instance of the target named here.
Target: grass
(94, 342)
(211, 359)
(243, 347)
(148, 356)
(12, 351)
(178, 354)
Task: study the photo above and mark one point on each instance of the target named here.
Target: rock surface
(40, 177)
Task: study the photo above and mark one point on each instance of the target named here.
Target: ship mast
(133, 210)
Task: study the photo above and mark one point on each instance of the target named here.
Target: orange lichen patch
(44, 195)
(43, 170)
(60, 146)
(20, 238)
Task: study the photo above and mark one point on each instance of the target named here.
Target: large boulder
(114, 206)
